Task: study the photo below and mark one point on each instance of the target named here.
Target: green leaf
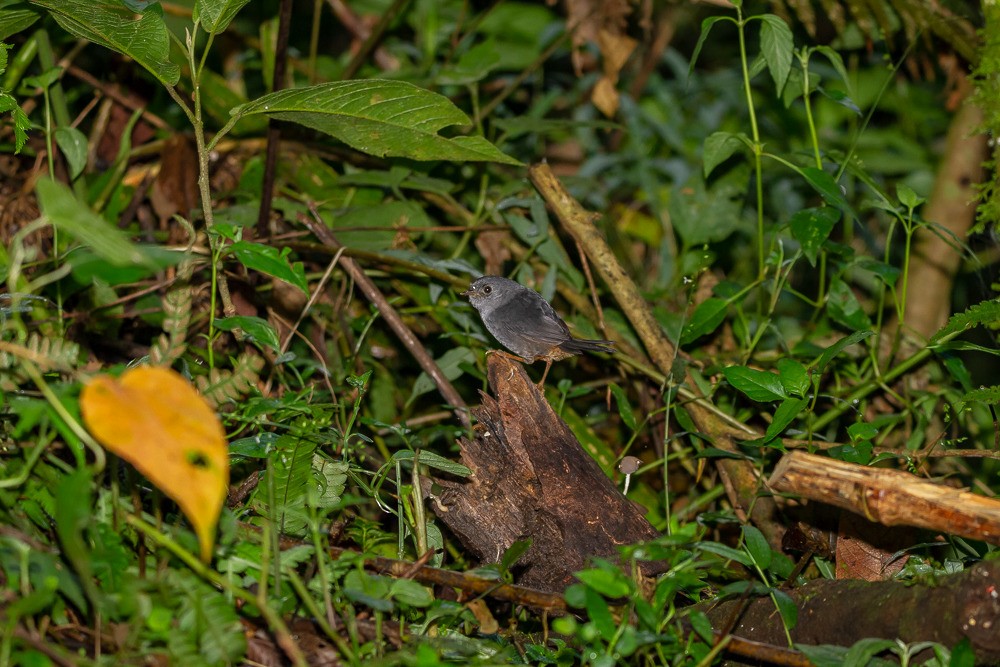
(844, 307)
(719, 147)
(15, 17)
(907, 197)
(862, 431)
(962, 654)
(828, 189)
(67, 213)
(776, 45)
(113, 26)
(214, 15)
(432, 460)
(838, 65)
(271, 261)
(410, 593)
(820, 364)
(88, 265)
(757, 546)
(474, 65)
(786, 413)
(811, 227)
(794, 376)
(706, 318)
(257, 328)
(514, 553)
(706, 27)
(760, 386)
(379, 117)
(624, 407)
(726, 552)
(986, 313)
(73, 144)
(864, 650)
(21, 122)
(610, 583)
(786, 608)
(599, 613)
(72, 516)
(450, 364)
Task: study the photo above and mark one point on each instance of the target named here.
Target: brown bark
(889, 497)
(951, 207)
(842, 612)
(532, 480)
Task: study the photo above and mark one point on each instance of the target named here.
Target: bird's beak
(468, 292)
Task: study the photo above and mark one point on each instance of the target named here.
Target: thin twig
(391, 317)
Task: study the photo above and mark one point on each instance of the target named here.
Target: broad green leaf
(886, 272)
(624, 407)
(450, 364)
(787, 608)
(794, 376)
(828, 188)
(379, 117)
(776, 45)
(215, 15)
(907, 197)
(15, 16)
(760, 386)
(706, 318)
(719, 147)
(257, 328)
(756, 545)
(474, 65)
(609, 583)
(786, 413)
(112, 25)
(411, 593)
(69, 214)
(706, 213)
(88, 265)
(271, 261)
(432, 460)
(73, 496)
(862, 431)
(599, 613)
(844, 307)
(73, 144)
(726, 552)
(838, 347)
(811, 227)
(21, 122)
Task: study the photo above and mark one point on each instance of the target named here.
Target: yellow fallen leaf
(157, 421)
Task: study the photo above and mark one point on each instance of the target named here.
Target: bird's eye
(487, 289)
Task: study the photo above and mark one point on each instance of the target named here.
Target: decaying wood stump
(532, 480)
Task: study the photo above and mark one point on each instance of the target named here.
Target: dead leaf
(157, 421)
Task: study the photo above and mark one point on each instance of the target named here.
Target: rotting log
(842, 612)
(532, 480)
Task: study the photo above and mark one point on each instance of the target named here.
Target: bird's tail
(578, 345)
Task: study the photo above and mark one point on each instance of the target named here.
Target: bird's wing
(537, 321)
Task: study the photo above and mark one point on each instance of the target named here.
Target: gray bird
(524, 323)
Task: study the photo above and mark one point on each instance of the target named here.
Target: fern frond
(222, 386)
